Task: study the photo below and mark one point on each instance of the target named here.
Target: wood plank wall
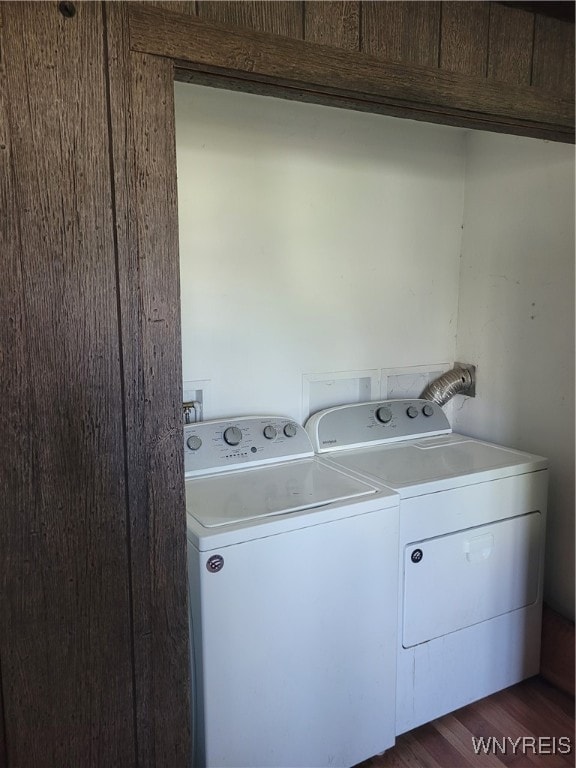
(65, 618)
(93, 606)
(480, 39)
(144, 178)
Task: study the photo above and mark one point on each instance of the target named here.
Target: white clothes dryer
(472, 526)
(293, 568)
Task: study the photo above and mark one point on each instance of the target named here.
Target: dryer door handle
(479, 548)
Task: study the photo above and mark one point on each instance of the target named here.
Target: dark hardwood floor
(532, 723)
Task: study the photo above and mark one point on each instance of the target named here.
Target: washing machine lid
(257, 493)
(436, 463)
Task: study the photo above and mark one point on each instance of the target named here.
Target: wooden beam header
(258, 61)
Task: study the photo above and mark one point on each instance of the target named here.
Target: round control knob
(290, 430)
(270, 432)
(384, 415)
(427, 410)
(194, 442)
(411, 412)
(232, 435)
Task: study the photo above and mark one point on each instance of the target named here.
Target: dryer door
(463, 578)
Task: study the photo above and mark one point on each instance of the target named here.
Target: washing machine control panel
(214, 446)
(362, 424)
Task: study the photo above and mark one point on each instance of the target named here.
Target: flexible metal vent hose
(451, 383)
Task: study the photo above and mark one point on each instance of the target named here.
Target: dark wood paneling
(65, 641)
(563, 9)
(3, 748)
(176, 6)
(510, 44)
(306, 71)
(144, 161)
(276, 16)
(11, 352)
(553, 67)
(402, 31)
(464, 37)
(333, 22)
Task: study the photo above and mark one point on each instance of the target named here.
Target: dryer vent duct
(460, 380)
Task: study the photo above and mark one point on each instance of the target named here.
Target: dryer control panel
(226, 444)
(383, 421)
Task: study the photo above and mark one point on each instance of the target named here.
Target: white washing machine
(472, 526)
(293, 568)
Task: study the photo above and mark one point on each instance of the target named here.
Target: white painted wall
(516, 319)
(312, 240)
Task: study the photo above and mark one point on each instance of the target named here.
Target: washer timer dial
(232, 436)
